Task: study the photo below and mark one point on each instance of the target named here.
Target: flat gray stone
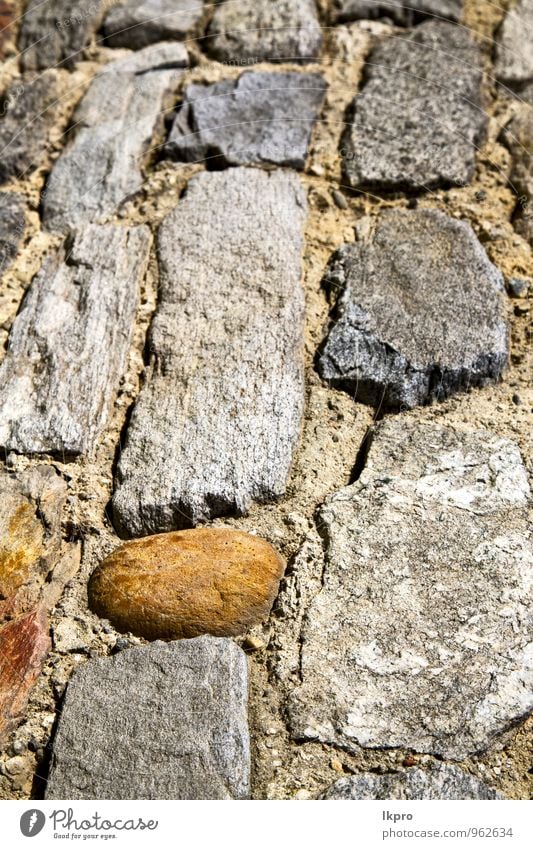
(12, 224)
(164, 721)
(417, 121)
(441, 781)
(420, 312)
(518, 136)
(218, 419)
(137, 23)
(55, 33)
(116, 122)
(68, 345)
(402, 12)
(256, 118)
(250, 31)
(419, 635)
(514, 50)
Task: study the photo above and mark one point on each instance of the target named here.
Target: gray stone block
(514, 50)
(55, 33)
(441, 781)
(137, 23)
(402, 12)
(12, 224)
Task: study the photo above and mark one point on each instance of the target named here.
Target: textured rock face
(419, 314)
(68, 346)
(157, 722)
(218, 419)
(257, 118)
(402, 13)
(514, 56)
(55, 33)
(206, 581)
(518, 137)
(8, 15)
(116, 122)
(418, 120)
(259, 30)
(12, 224)
(419, 636)
(442, 782)
(137, 23)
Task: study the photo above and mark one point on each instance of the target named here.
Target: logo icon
(32, 822)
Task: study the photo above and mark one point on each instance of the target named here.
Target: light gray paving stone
(253, 31)
(514, 50)
(260, 117)
(441, 781)
(12, 224)
(116, 123)
(420, 311)
(518, 136)
(164, 721)
(402, 12)
(68, 346)
(55, 32)
(419, 635)
(137, 23)
(418, 120)
(218, 419)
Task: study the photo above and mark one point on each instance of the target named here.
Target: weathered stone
(69, 343)
(252, 31)
(418, 635)
(12, 224)
(518, 136)
(8, 15)
(418, 120)
(514, 55)
(137, 23)
(402, 12)
(218, 419)
(24, 644)
(206, 581)
(56, 33)
(257, 118)
(441, 781)
(31, 109)
(156, 722)
(420, 311)
(116, 122)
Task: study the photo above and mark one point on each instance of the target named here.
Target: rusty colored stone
(7, 16)
(205, 581)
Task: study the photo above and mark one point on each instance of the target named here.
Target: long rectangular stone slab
(218, 419)
(55, 32)
(68, 346)
(164, 721)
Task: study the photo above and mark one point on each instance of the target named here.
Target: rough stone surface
(260, 30)
(8, 15)
(218, 419)
(518, 136)
(420, 311)
(12, 224)
(257, 118)
(514, 53)
(418, 120)
(137, 23)
(419, 636)
(116, 122)
(56, 33)
(32, 105)
(157, 722)
(68, 346)
(442, 781)
(402, 12)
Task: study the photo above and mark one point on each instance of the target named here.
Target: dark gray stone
(440, 781)
(218, 419)
(55, 32)
(418, 120)
(402, 12)
(251, 31)
(257, 118)
(137, 23)
(518, 136)
(12, 224)
(514, 50)
(517, 287)
(116, 122)
(164, 721)
(419, 313)
(68, 345)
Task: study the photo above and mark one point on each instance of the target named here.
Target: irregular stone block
(69, 343)
(56, 33)
(156, 722)
(8, 15)
(218, 419)
(31, 110)
(514, 53)
(442, 781)
(257, 118)
(12, 224)
(137, 23)
(116, 122)
(251, 31)
(518, 136)
(402, 12)
(420, 311)
(418, 120)
(206, 581)
(418, 634)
